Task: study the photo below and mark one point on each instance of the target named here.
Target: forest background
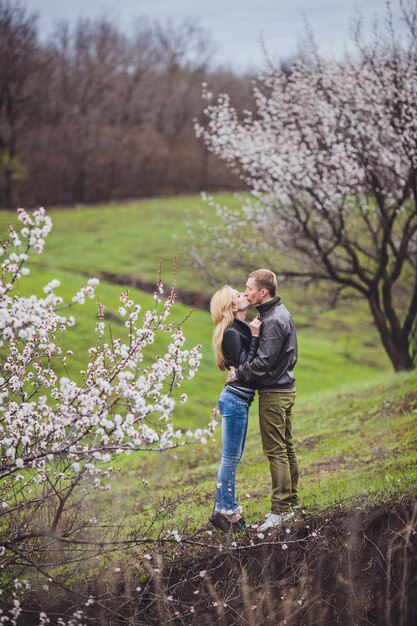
(93, 114)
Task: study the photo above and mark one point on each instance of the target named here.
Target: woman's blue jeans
(234, 412)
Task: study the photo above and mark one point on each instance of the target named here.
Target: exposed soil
(398, 406)
(348, 567)
(344, 568)
(309, 443)
(191, 298)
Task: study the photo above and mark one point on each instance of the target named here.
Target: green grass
(349, 440)
(361, 441)
(328, 358)
(130, 238)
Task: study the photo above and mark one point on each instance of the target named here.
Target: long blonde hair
(221, 309)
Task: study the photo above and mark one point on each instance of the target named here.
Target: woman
(234, 342)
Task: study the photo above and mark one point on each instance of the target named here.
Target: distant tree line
(94, 114)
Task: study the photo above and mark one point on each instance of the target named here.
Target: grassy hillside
(354, 422)
(353, 434)
(130, 238)
(330, 356)
(350, 443)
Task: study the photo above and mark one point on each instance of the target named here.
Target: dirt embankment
(344, 568)
(187, 297)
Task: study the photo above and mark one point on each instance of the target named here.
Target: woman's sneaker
(221, 522)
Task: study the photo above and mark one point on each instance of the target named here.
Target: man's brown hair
(265, 279)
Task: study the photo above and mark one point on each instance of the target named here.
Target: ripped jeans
(234, 412)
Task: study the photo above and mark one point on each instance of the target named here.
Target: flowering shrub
(57, 434)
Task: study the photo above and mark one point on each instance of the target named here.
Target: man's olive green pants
(275, 421)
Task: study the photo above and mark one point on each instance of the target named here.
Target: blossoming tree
(57, 435)
(330, 156)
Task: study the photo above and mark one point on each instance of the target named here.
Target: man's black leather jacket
(238, 346)
(277, 353)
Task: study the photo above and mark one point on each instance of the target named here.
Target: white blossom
(54, 427)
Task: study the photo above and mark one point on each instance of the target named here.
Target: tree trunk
(7, 193)
(79, 185)
(397, 347)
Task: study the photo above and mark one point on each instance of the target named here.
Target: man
(272, 373)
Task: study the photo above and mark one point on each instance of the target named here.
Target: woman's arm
(236, 350)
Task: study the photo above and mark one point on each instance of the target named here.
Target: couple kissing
(261, 357)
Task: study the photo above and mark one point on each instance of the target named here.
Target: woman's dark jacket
(238, 347)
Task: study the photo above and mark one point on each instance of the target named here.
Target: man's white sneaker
(273, 520)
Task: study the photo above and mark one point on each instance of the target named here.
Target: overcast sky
(236, 26)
